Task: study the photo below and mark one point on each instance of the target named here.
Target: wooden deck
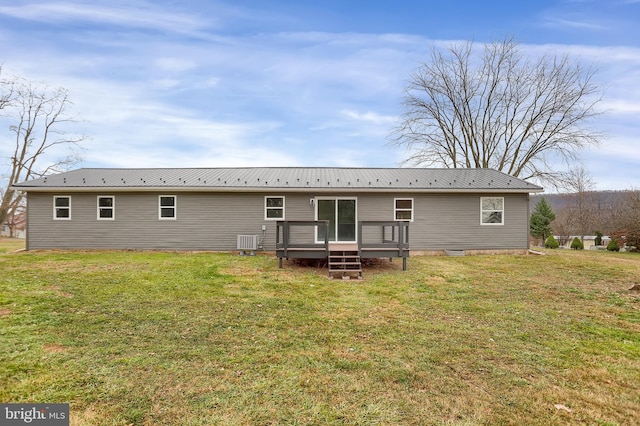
(333, 246)
(376, 239)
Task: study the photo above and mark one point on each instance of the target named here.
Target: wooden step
(345, 261)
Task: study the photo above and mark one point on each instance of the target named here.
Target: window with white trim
(62, 207)
(106, 207)
(403, 209)
(273, 208)
(167, 207)
(492, 210)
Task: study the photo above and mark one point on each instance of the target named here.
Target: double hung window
(106, 208)
(167, 207)
(492, 210)
(273, 208)
(403, 209)
(62, 207)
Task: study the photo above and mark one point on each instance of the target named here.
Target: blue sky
(294, 83)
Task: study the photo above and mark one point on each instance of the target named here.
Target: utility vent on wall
(247, 242)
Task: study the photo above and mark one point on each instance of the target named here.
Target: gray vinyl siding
(212, 221)
(203, 222)
(452, 221)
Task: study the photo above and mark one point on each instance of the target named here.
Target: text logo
(34, 414)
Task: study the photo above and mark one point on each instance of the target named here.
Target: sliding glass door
(341, 214)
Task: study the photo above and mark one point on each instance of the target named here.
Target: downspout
(26, 224)
(528, 220)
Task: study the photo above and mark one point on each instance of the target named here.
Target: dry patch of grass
(8, 245)
(201, 338)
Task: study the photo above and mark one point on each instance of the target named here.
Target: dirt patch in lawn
(54, 348)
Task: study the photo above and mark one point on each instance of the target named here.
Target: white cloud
(559, 22)
(369, 117)
(621, 106)
(187, 94)
(139, 15)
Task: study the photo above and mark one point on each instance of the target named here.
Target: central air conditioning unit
(247, 242)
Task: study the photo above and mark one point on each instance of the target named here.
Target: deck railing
(394, 235)
(284, 237)
(392, 239)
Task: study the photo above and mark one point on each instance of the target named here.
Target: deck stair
(344, 259)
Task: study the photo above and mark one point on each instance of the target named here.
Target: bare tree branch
(498, 109)
(39, 122)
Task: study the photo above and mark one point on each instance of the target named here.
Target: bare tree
(502, 111)
(6, 91)
(39, 118)
(562, 227)
(582, 205)
(16, 220)
(626, 220)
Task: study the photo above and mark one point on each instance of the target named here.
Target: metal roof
(283, 179)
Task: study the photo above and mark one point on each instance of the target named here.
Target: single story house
(279, 208)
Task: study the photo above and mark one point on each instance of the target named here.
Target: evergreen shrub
(551, 242)
(576, 244)
(613, 246)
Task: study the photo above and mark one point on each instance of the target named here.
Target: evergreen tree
(576, 244)
(613, 245)
(551, 242)
(540, 221)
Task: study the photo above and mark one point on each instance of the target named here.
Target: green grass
(150, 338)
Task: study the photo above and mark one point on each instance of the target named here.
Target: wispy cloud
(137, 15)
(577, 24)
(369, 117)
(622, 106)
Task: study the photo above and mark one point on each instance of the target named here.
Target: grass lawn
(11, 244)
(156, 338)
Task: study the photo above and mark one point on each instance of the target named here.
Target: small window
(403, 209)
(492, 210)
(106, 208)
(274, 208)
(167, 207)
(62, 208)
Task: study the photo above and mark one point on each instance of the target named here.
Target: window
(492, 210)
(167, 207)
(62, 208)
(403, 209)
(274, 208)
(106, 208)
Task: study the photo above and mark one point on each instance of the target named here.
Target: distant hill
(605, 211)
(603, 199)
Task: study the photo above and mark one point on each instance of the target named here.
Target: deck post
(285, 239)
(311, 249)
